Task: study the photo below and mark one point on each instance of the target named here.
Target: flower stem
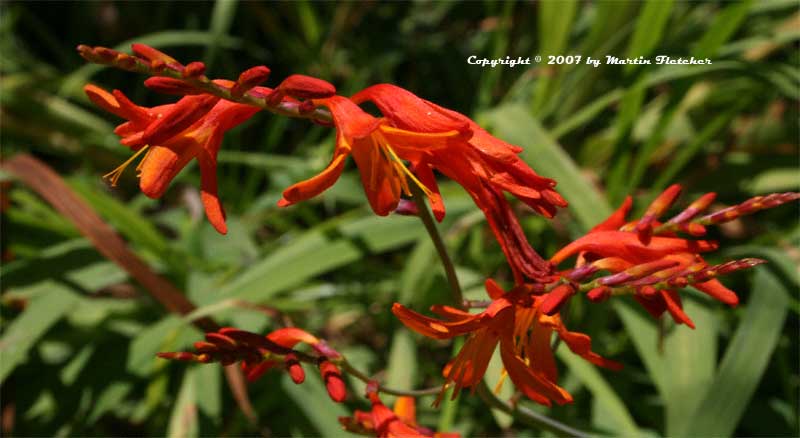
(347, 367)
(438, 243)
(528, 416)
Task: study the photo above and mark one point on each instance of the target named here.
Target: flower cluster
(397, 154)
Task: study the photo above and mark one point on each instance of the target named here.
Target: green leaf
(613, 406)
(644, 334)
(687, 152)
(168, 334)
(309, 255)
(722, 28)
(492, 377)
(401, 371)
(691, 359)
(45, 309)
(125, 219)
(744, 362)
(649, 28)
(183, 421)
(221, 19)
(555, 22)
(109, 399)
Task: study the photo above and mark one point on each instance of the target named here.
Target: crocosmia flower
(514, 320)
(171, 136)
(649, 260)
(429, 138)
(378, 150)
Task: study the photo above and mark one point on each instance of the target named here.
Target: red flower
(648, 257)
(172, 135)
(383, 422)
(431, 137)
(515, 321)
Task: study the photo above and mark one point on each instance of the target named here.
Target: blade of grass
(221, 20)
(691, 360)
(686, 153)
(612, 404)
(555, 22)
(744, 362)
(649, 29)
(722, 28)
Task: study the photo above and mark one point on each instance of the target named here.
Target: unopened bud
(150, 54)
(334, 383)
(599, 294)
(294, 368)
(249, 79)
(306, 87)
(194, 69)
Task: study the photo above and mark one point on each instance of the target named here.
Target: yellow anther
(114, 175)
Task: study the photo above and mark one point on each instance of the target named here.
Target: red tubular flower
(172, 135)
(377, 149)
(382, 422)
(515, 320)
(648, 258)
(431, 137)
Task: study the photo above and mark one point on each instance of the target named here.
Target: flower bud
(306, 87)
(294, 368)
(194, 69)
(599, 294)
(249, 79)
(334, 383)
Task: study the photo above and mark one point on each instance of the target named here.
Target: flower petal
(407, 111)
(317, 184)
(208, 192)
(434, 328)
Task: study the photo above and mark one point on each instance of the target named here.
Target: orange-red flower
(431, 137)
(382, 422)
(514, 320)
(171, 136)
(378, 149)
(618, 246)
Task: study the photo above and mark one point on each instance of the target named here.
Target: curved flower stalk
(382, 422)
(259, 354)
(649, 260)
(515, 320)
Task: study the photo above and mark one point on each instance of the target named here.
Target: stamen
(499, 386)
(114, 175)
(401, 167)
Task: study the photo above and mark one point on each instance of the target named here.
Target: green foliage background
(79, 337)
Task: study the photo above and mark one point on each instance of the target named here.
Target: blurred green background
(79, 336)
